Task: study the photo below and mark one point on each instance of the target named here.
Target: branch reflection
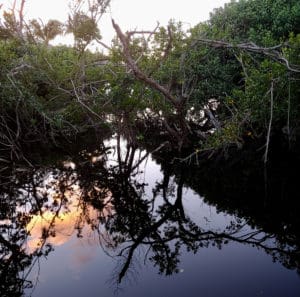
(101, 193)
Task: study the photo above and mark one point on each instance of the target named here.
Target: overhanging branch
(271, 52)
(138, 73)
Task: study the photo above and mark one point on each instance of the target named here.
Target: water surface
(119, 220)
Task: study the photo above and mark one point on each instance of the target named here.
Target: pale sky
(129, 14)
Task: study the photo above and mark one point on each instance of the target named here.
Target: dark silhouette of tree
(128, 221)
(159, 224)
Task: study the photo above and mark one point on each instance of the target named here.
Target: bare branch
(131, 33)
(103, 44)
(83, 104)
(147, 154)
(271, 52)
(146, 41)
(139, 74)
(21, 16)
(270, 122)
(212, 118)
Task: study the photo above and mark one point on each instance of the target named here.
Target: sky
(129, 14)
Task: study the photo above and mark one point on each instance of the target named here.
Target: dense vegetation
(227, 82)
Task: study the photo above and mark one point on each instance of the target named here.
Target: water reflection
(102, 196)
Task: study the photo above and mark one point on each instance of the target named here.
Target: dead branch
(271, 52)
(21, 16)
(146, 41)
(103, 44)
(240, 60)
(83, 104)
(19, 23)
(288, 114)
(147, 154)
(270, 121)
(212, 118)
(131, 33)
(138, 73)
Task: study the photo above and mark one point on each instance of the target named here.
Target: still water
(118, 220)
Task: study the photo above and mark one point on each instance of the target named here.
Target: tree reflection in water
(103, 195)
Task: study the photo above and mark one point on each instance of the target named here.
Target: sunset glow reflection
(64, 216)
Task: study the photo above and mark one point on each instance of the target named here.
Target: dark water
(118, 220)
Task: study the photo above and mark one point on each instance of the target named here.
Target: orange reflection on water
(58, 224)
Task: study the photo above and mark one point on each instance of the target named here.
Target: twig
(83, 104)
(240, 59)
(147, 154)
(288, 115)
(270, 122)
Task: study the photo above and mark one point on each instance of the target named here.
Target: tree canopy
(226, 82)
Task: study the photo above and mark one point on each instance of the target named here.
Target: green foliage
(253, 20)
(265, 23)
(228, 136)
(47, 90)
(215, 72)
(159, 59)
(37, 99)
